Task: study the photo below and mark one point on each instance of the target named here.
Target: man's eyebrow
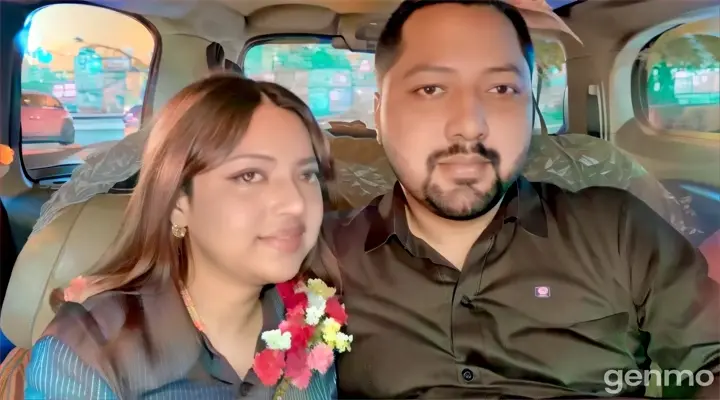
(427, 68)
(504, 68)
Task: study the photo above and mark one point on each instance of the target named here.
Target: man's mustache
(489, 154)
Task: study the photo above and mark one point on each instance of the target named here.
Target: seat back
(362, 170)
(68, 247)
(577, 161)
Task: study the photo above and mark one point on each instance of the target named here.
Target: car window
(86, 66)
(33, 100)
(339, 84)
(52, 102)
(683, 78)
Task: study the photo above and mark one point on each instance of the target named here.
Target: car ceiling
(175, 8)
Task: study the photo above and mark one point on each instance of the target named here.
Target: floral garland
(306, 340)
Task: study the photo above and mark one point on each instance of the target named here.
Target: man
(467, 281)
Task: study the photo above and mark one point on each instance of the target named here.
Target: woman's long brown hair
(195, 132)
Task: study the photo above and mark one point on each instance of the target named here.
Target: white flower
(316, 301)
(313, 315)
(276, 340)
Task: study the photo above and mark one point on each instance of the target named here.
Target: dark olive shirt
(561, 288)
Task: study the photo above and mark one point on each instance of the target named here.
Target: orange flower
(6, 155)
(74, 291)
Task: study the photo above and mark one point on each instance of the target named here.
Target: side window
(84, 69)
(552, 73)
(682, 89)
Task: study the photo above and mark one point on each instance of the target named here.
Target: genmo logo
(616, 379)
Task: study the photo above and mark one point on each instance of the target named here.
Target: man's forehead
(455, 35)
(456, 23)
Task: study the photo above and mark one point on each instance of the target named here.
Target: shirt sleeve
(678, 305)
(56, 372)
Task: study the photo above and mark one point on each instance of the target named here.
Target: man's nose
(468, 119)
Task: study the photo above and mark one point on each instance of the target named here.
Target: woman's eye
(249, 177)
(430, 91)
(310, 176)
(503, 89)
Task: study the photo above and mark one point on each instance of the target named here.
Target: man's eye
(430, 91)
(503, 89)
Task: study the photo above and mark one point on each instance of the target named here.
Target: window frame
(55, 174)
(639, 95)
(545, 36)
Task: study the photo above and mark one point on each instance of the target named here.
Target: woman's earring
(178, 231)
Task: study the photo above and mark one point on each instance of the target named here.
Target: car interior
(634, 103)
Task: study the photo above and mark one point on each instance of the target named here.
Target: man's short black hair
(389, 44)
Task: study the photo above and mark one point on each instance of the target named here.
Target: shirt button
(467, 375)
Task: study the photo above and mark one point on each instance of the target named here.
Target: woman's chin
(281, 275)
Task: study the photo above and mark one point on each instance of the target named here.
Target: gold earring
(178, 231)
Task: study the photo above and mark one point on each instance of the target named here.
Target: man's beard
(438, 199)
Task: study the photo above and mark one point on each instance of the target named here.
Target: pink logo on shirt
(542, 292)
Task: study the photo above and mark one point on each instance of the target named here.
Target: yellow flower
(6, 155)
(319, 287)
(342, 342)
(330, 329)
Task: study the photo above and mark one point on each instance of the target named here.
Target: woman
(228, 203)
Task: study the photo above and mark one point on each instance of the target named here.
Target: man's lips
(463, 167)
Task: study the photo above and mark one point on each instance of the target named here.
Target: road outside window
(84, 75)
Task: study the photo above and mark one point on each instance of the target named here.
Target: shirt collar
(176, 319)
(521, 205)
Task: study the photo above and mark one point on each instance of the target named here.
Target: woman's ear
(180, 214)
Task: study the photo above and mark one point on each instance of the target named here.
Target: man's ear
(376, 112)
(179, 214)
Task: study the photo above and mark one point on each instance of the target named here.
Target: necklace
(190, 306)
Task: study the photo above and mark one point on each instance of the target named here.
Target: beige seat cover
(71, 244)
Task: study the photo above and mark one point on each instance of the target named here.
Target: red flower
(335, 310)
(300, 332)
(268, 366)
(297, 369)
(295, 315)
(290, 299)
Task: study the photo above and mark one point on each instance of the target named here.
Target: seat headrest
(68, 247)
